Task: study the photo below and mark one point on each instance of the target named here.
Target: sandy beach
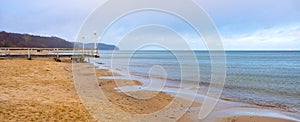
(44, 90)
(39, 90)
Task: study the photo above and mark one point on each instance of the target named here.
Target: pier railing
(30, 53)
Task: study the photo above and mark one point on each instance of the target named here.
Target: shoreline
(171, 83)
(272, 113)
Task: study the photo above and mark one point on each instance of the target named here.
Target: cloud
(61, 18)
(247, 24)
(276, 38)
(229, 10)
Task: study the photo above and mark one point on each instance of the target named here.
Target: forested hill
(33, 41)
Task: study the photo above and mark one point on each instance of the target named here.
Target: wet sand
(106, 103)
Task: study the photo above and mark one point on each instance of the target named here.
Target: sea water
(266, 78)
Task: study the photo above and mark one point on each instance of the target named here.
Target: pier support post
(7, 52)
(29, 54)
(57, 59)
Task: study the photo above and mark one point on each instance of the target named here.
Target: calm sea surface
(269, 78)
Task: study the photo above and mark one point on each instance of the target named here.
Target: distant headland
(33, 41)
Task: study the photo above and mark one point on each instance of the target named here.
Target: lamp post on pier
(95, 46)
(83, 46)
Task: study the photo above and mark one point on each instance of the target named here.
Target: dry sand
(39, 90)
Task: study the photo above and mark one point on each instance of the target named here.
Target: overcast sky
(242, 24)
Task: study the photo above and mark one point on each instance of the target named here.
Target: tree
(5, 44)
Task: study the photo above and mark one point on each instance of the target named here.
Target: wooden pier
(77, 54)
